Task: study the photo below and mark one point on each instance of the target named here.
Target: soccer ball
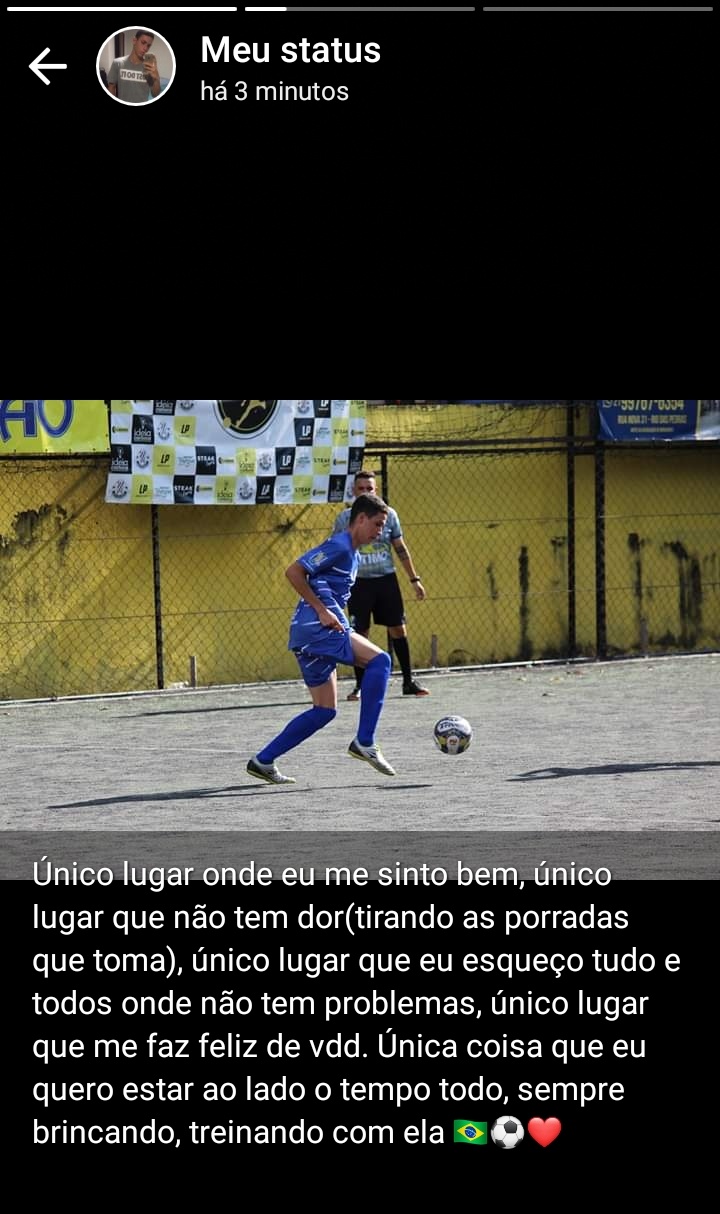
(506, 1132)
(453, 735)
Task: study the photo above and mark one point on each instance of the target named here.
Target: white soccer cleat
(371, 755)
(268, 772)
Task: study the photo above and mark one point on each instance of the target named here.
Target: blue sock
(374, 685)
(295, 732)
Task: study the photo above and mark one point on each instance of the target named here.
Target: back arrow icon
(35, 65)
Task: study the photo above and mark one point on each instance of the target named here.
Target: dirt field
(621, 756)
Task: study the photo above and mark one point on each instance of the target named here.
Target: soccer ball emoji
(506, 1132)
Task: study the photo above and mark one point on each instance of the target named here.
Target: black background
(222, 203)
(664, 1092)
(514, 135)
(421, 89)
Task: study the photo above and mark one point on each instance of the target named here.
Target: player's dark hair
(141, 33)
(364, 475)
(367, 503)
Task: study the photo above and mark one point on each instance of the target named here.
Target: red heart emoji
(544, 1132)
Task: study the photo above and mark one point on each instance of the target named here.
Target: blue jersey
(331, 570)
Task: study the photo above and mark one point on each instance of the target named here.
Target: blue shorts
(321, 651)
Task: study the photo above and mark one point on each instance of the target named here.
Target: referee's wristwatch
(415, 579)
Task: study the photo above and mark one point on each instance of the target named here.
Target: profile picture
(136, 66)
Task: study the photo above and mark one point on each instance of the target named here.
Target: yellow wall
(663, 545)
(225, 597)
(76, 591)
(489, 556)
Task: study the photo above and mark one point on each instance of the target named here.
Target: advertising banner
(50, 427)
(663, 420)
(234, 452)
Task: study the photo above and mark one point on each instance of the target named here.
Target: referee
(376, 591)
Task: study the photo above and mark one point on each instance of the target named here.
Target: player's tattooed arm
(410, 569)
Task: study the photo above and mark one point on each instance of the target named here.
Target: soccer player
(377, 593)
(320, 637)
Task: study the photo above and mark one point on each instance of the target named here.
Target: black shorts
(378, 597)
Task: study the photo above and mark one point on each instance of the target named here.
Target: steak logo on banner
(184, 490)
(206, 460)
(245, 417)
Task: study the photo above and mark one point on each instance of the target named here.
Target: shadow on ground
(607, 769)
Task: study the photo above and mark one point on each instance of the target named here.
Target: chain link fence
(76, 583)
(567, 548)
(584, 550)
(493, 559)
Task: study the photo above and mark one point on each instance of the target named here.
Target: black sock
(359, 672)
(402, 649)
(391, 650)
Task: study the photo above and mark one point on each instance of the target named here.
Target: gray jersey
(130, 81)
(376, 559)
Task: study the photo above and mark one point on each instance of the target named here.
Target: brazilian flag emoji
(470, 1131)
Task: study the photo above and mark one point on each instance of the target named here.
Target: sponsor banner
(50, 427)
(663, 420)
(234, 452)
